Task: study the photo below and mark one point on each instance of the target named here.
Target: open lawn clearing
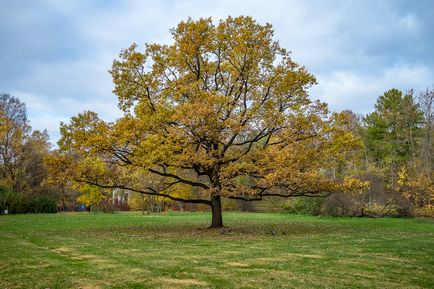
(128, 250)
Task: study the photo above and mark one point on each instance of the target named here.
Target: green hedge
(18, 203)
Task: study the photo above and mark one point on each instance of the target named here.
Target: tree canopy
(21, 150)
(223, 109)
(394, 128)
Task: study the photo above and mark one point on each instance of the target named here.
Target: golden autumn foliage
(416, 187)
(11, 138)
(223, 109)
(91, 195)
(21, 149)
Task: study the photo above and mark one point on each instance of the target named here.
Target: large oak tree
(223, 109)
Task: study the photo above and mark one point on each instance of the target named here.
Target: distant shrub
(376, 210)
(338, 205)
(304, 206)
(341, 204)
(12, 202)
(334, 205)
(236, 205)
(398, 205)
(43, 204)
(229, 205)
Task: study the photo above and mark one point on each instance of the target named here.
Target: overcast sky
(54, 55)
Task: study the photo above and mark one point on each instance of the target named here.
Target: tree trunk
(216, 208)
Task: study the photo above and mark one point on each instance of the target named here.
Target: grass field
(128, 250)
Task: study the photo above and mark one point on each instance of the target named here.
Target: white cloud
(359, 92)
(409, 21)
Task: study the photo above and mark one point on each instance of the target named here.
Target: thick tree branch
(182, 180)
(151, 192)
(259, 197)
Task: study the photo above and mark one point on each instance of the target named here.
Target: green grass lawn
(128, 250)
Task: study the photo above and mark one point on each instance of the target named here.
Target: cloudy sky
(54, 55)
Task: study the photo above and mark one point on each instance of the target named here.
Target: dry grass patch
(183, 282)
(313, 256)
(95, 260)
(84, 283)
(237, 264)
(63, 250)
(267, 260)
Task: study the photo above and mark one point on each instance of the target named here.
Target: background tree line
(396, 158)
(24, 176)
